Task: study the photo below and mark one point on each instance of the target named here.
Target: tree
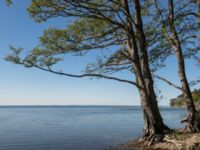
(8, 2)
(198, 9)
(178, 29)
(197, 2)
(98, 24)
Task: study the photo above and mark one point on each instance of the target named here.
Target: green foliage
(98, 25)
(84, 34)
(35, 8)
(187, 28)
(180, 102)
(42, 10)
(14, 57)
(9, 2)
(116, 58)
(94, 27)
(33, 59)
(146, 8)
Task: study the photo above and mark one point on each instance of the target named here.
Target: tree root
(175, 142)
(151, 139)
(150, 136)
(192, 125)
(157, 138)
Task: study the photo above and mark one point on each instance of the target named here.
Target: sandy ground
(173, 141)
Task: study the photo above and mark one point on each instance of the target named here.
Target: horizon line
(60, 105)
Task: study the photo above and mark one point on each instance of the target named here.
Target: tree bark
(144, 59)
(191, 119)
(154, 126)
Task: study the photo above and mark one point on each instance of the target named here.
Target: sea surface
(74, 127)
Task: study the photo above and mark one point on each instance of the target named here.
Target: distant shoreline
(79, 106)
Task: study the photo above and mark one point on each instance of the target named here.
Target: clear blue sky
(22, 86)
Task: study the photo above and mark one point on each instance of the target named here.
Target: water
(74, 127)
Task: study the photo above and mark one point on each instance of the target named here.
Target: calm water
(73, 127)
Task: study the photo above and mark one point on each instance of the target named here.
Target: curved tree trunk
(192, 118)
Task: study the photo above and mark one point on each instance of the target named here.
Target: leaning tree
(178, 27)
(98, 24)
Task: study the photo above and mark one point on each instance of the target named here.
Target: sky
(24, 86)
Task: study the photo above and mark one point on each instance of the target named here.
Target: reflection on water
(74, 127)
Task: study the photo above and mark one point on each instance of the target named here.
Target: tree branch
(83, 75)
(167, 81)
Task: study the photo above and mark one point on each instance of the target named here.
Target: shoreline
(178, 140)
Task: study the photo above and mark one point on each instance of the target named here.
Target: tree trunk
(144, 59)
(191, 118)
(154, 126)
(186, 91)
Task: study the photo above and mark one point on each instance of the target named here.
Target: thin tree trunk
(181, 72)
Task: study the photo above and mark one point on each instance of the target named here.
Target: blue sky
(22, 86)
